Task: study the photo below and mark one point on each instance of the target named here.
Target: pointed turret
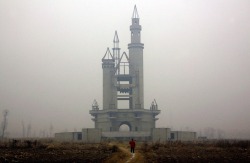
(135, 28)
(116, 50)
(135, 13)
(116, 39)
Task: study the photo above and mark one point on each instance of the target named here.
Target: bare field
(54, 152)
(209, 151)
(51, 151)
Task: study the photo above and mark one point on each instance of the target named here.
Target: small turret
(95, 105)
(154, 105)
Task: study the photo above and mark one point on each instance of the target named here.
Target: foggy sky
(196, 61)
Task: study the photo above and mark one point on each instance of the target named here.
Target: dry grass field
(209, 151)
(118, 152)
(49, 151)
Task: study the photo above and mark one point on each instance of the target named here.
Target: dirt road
(124, 156)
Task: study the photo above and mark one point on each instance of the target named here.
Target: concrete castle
(123, 82)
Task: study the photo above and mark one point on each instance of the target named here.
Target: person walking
(132, 145)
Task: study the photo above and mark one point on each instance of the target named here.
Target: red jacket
(132, 143)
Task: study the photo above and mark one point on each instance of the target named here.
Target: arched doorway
(125, 126)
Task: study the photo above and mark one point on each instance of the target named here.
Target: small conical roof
(116, 38)
(135, 13)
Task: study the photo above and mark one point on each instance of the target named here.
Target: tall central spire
(136, 62)
(135, 13)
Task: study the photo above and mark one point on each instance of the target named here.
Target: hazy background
(196, 62)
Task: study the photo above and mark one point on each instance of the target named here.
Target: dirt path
(137, 157)
(124, 155)
(130, 157)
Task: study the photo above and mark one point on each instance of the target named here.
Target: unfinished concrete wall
(160, 134)
(91, 135)
(183, 135)
(68, 136)
(125, 134)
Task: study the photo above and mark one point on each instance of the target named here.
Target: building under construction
(123, 81)
(123, 84)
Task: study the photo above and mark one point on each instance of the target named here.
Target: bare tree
(4, 123)
(24, 130)
(28, 130)
(51, 128)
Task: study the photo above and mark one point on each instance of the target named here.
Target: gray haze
(196, 62)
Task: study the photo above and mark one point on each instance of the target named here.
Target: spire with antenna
(116, 50)
(135, 13)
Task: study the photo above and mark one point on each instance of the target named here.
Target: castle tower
(123, 81)
(109, 91)
(136, 62)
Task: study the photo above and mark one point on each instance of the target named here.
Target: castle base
(92, 135)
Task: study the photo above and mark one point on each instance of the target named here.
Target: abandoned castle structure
(123, 84)
(123, 81)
